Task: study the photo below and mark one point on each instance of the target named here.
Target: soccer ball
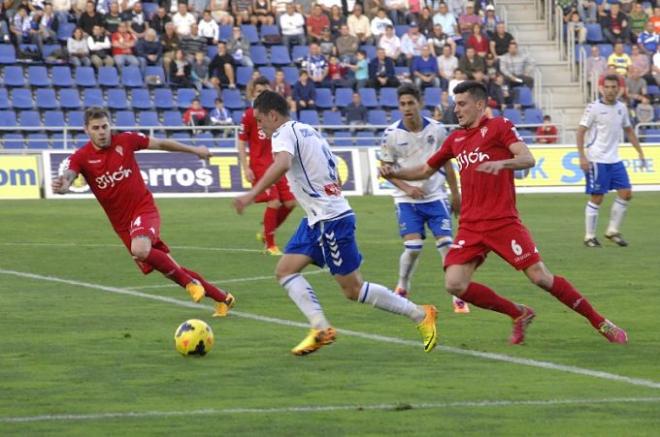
(193, 337)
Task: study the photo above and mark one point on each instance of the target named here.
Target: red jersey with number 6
(261, 152)
(487, 200)
(114, 177)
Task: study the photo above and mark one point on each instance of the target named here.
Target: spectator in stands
(596, 65)
(648, 40)
(355, 112)
(196, 115)
(197, 7)
(219, 116)
(492, 67)
(655, 19)
(193, 43)
(425, 21)
(180, 68)
(499, 44)
(361, 69)
(638, 19)
(337, 19)
(90, 18)
(470, 63)
(99, 48)
(438, 39)
(459, 76)
(241, 10)
(61, 8)
(447, 64)
(359, 26)
(209, 29)
(656, 65)
(498, 93)
(391, 44)
(239, 47)
(47, 29)
(113, 19)
(636, 87)
(221, 12)
(424, 70)
(588, 10)
(412, 43)
(326, 43)
(381, 71)
(577, 27)
(222, 69)
(183, 20)
(304, 92)
(137, 19)
(338, 75)
(292, 24)
(347, 45)
(517, 68)
(457, 7)
(262, 13)
(642, 62)
(199, 71)
(620, 59)
(316, 65)
(159, 20)
(467, 20)
(78, 6)
(490, 21)
(283, 88)
(316, 22)
(447, 107)
(149, 50)
(547, 132)
(397, 10)
(78, 49)
(615, 25)
(644, 112)
(447, 20)
(21, 28)
(171, 44)
(478, 41)
(379, 23)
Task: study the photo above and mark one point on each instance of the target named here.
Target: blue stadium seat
(460, 51)
(343, 139)
(309, 116)
(184, 97)
(653, 90)
(268, 30)
(401, 29)
(401, 70)
(46, 99)
(432, 97)
(141, 99)
(299, 52)
(131, 77)
(203, 139)
(211, 51)
(527, 135)
(79, 140)
(225, 33)
(29, 119)
(226, 142)
(62, 76)
(388, 98)
(172, 119)
(8, 119)
(395, 115)
(496, 112)
(250, 33)
(268, 73)
(367, 139)
(49, 50)
(370, 50)
(324, 98)
(243, 75)
(38, 76)
(657, 112)
(22, 98)
(181, 136)
(369, 98)
(290, 74)
(163, 98)
(64, 31)
(651, 136)
(7, 54)
(93, 97)
(232, 99)
(13, 141)
(149, 9)
(108, 77)
(377, 117)
(533, 116)
(259, 55)
(605, 50)
(523, 96)
(125, 119)
(4, 98)
(37, 140)
(513, 115)
(57, 140)
(594, 33)
(76, 118)
(207, 97)
(117, 99)
(54, 118)
(148, 118)
(236, 116)
(343, 96)
(279, 55)
(85, 77)
(14, 76)
(332, 118)
(154, 70)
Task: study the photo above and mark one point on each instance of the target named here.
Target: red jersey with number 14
(114, 177)
(487, 200)
(261, 152)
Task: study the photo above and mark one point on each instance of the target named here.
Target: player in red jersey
(487, 151)
(279, 199)
(108, 164)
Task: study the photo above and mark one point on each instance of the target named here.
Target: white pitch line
(210, 249)
(391, 340)
(324, 408)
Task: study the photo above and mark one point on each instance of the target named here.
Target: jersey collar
(425, 122)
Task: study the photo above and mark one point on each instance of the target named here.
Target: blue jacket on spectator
(304, 92)
(375, 68)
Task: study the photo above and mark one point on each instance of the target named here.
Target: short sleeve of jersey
(387, 152)
(442, 134)
(133, 140)
(444, 154)
(74, 161)
(509, 134)
(626, 118)
(588, 116)
(244, 130)
(285, 140)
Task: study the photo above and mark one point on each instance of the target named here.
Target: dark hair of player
(476, 89)
(612, 78)
(271, 101)
(261, 80)
(94, 113)
(410, 90)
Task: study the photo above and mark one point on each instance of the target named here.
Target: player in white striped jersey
(408, 143)
(326, 236)
(603, 122)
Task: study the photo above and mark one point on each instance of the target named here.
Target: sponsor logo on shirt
(466, 159)
(110, 179)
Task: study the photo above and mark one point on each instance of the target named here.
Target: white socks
(590, 220)
(617, 214)
(442, 245)
(302, 293)
(381, 297)
(408, 262)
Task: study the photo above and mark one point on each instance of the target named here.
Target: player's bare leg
(564, 291)
(617, 214)
(458, 281)
(302, 294)
(442, 244)
(591, 220)
(425, 316)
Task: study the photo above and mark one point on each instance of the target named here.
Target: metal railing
(641, 130)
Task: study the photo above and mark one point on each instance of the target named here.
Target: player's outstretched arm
(280, 165)
(522, 159)
(175, 146)
(61, 184)
(630, 132)
(420, 172)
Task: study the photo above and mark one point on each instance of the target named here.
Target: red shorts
(512, 242)
(144, 225)
(278, 191)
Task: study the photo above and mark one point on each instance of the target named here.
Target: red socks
(282, 213)
(484, 297)
(166, 265)
(569, 296)
(211, 290)
(270, 224)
